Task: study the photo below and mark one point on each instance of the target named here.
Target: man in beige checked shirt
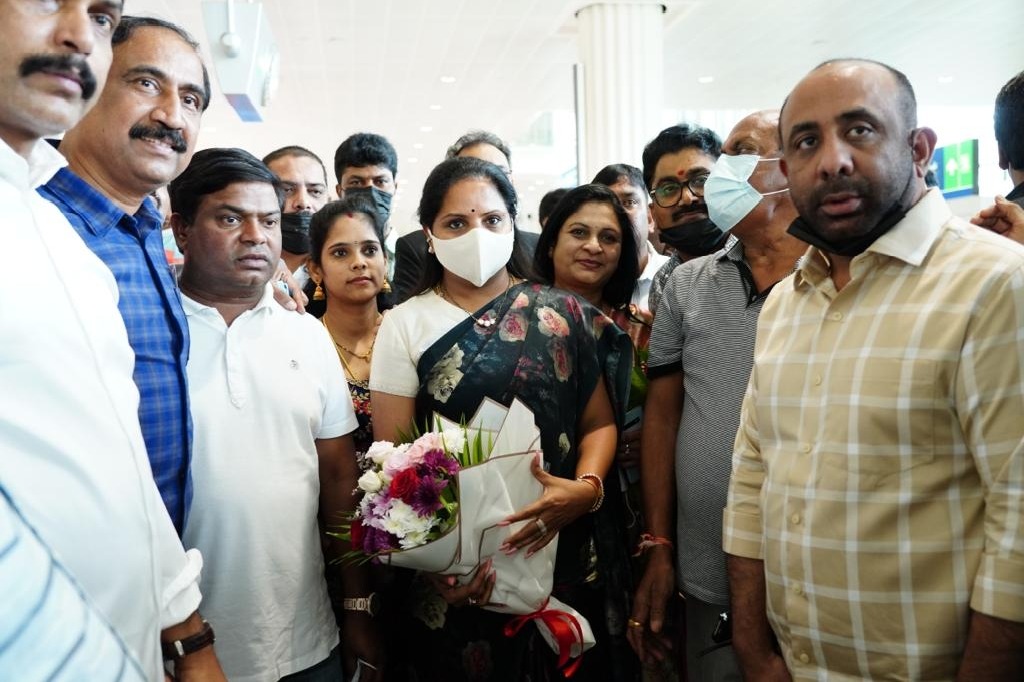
(874, 519)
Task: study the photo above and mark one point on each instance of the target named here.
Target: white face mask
(728, 192)
(475, 256)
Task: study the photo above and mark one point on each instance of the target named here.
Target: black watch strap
(180, 648)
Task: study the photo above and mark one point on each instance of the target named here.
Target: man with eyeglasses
(676, 164)
(701, 352)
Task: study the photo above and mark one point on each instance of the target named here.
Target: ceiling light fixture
(447, 79)
(945, 79)
(418, 145)
(435, 107)
(426, 129)
(704, 80)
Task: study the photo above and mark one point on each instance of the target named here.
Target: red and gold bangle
(597, 483)
(647, 541)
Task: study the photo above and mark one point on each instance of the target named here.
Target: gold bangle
(597, 484)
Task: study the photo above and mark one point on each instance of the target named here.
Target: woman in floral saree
(479, 330)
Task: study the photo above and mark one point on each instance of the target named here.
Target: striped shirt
(48, 628)
(132, 247)
(660, 279)
(879, 465)
(705, 329)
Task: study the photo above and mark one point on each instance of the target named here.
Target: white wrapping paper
(489, 493)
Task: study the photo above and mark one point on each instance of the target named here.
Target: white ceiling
(376, 65)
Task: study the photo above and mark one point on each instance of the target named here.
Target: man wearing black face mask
(676, 164)
(304, 178)
(873, 516)
(366, 164)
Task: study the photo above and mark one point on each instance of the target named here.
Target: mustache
(699, 207)
(173, 137)
(71, 65)
(839, 186)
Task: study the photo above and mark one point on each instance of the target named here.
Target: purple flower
(376, 540)
(427, 498)
(439, 462)
(379, 506)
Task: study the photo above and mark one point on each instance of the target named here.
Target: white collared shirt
(262, 391)
(642, 290)
(73, 458)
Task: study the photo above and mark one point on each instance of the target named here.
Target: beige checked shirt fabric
(879, 464)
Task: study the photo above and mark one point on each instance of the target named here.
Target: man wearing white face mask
(701, 354)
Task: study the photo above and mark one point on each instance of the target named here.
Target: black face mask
(852, 246)
(295, 232)
(698, 238)
(378, 198)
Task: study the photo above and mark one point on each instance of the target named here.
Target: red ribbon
(564, 626)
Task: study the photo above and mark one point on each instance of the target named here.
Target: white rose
(370, 482)
(379, 451)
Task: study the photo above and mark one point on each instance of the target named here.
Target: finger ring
(541, 525)
(633, 623)
(471, 601)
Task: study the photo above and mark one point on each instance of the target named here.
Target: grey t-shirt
(705, 327)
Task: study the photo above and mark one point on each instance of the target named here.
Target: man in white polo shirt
(272, 416)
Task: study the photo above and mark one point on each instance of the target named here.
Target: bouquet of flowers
(410, 492)
(438, 505)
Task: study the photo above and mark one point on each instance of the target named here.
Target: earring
(318, 293)
(430, 246)
(387, 286)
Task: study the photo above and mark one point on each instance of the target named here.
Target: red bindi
(350, 214)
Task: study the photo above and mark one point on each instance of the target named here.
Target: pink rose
(422, 445)
(398, 461)
(513, 327)
(551, 323)
(522, 300)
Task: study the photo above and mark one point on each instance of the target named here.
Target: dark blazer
(411, 249)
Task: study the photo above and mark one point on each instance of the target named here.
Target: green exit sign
(956, 168)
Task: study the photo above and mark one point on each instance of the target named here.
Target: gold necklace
(339, 347)
(482, 322)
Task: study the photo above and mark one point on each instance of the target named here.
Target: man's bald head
(756, 133)
(907, 100)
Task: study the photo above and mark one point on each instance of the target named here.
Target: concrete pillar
(621, 47)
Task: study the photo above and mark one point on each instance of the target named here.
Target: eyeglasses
(668, 194)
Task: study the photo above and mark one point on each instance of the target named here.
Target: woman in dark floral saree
(486, 332)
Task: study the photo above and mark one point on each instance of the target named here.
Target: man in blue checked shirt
(138, 137)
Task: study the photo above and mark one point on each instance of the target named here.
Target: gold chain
(485, 322)
(339, 347)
